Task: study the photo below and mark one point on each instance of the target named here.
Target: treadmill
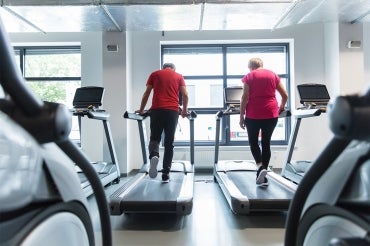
(314, 98)
(237, 178)
(142, 194)
(86, 102)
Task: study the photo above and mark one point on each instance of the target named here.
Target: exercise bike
(41, 200)
(332, 203)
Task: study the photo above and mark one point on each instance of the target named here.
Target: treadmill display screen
(233, 95)
(313, 93)
(86, 96)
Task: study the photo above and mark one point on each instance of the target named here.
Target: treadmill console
(313, 96)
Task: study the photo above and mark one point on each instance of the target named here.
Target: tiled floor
(210, 223)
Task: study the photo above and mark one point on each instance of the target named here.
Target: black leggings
(267, 127)
(162, 120)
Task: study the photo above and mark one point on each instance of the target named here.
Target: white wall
(352, 73)
(115, 97)
(99, 68)
(91, 75)
(144, 57)
(331, 49)
(366, 50)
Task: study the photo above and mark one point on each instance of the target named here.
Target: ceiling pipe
(106, 11)
(129, 2)
(358, 19)
(317, 6)
(23, 19)
(282, 18)
(50, 2)
(201, 17)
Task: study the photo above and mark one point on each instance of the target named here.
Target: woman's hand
(242, 122)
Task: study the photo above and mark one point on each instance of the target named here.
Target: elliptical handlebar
(12, 80)
(348, 120)
(349, 117)
(29, 111)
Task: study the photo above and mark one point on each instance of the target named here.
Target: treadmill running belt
(274, 197)
(152, 190)
(152, 195)
(83, 180)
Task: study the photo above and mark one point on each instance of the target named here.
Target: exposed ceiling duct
(172, 15)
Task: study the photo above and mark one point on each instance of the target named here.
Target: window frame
(22, 52)
(225, 121)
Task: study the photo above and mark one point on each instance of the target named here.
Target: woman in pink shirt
(259, 111)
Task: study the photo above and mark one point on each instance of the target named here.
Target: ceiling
(174, 15)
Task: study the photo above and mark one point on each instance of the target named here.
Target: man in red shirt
(259, 111)
(164, 112)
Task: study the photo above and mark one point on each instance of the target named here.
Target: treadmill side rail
(185, 199)
(280, 179)
(117, 197)
(238, 203)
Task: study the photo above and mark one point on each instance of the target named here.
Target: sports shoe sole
(153, 167)
(165, 179)
(261, 177)
(264, 184)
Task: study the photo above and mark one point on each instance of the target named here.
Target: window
(53, 74)
(207, 70)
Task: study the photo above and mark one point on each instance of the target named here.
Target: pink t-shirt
(262, 103)
(166, 86)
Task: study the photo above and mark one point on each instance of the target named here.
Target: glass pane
(234, 82)
(238, 82)
(55, 91)
(52, 63)
(279, 132)
(238, 58)
(59, 92)
(17, 58)
(238, 134)
(195, 61)
(278, 97)
(205, 125)
(205, 93)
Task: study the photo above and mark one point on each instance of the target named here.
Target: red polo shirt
(166, 86)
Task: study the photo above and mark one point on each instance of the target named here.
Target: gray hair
(255, 63)
(170, 65)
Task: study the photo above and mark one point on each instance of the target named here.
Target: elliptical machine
(332, 203)
(41, 201)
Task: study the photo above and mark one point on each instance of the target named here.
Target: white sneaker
(153, 167)
(261, 177)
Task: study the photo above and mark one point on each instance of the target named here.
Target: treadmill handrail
(191, 115)
(298, 115)
(136, 116)
(306, 113)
